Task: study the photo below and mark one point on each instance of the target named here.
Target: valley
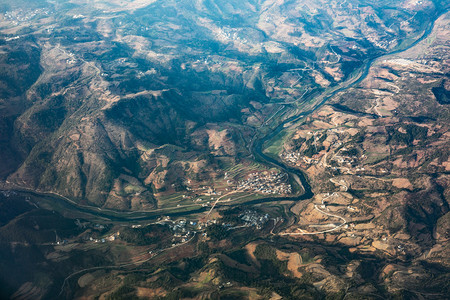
(215, 155)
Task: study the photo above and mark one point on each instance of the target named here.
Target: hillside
(224, 149)
(118, 102)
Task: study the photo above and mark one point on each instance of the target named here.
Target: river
(257, 148)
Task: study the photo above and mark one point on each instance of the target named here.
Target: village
(331, 153)
(262, 182)
(19, 15)
(266, 183)
(181, 230)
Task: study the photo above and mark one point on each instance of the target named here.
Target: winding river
(257, 150)
(349, 83)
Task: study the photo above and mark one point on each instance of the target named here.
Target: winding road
(317, 102)
(134, 263)
(311, 103)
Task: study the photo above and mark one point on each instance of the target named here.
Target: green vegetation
(312, 150)
(359, 137)
(275, 145)
(413, 132)
(11, 207)
(269, 262)
(217, 232)
(124, 292)
(238, 171)
(38, 226)
(147, 235)
(239, 256)
(350, 152)
(102, 101)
